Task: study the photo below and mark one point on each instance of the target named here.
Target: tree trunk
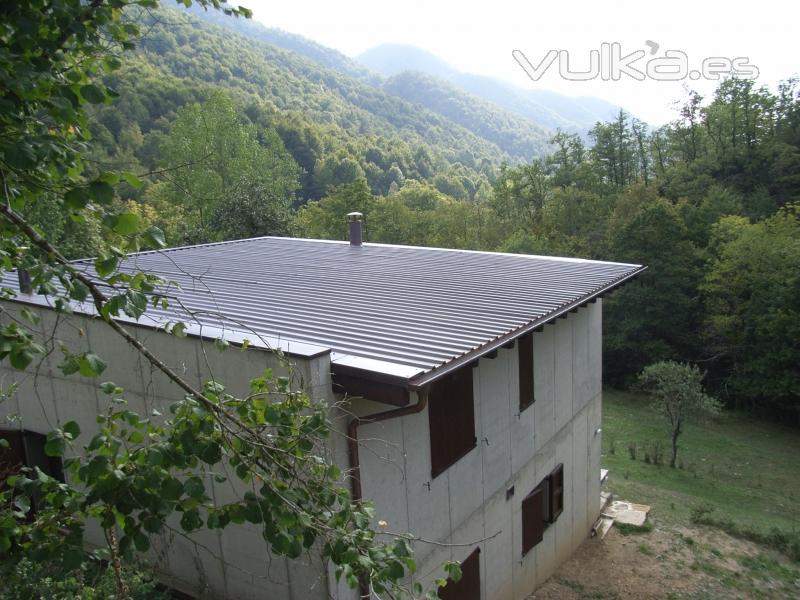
(675, 433)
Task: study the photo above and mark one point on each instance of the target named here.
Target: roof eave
(425, 379)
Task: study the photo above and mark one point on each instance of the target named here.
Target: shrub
(632, 450)
(29, 580)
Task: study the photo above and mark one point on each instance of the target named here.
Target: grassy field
(747, 470)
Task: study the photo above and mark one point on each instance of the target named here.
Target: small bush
(29, 580)
(654, 453)
(632, 448)
(646, 550)
(657, 452)
(628, 529)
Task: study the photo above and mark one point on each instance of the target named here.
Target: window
(526, 398)
(556, 500)
(26, 449)
(469, 586)
(451, 414)
(541, 507)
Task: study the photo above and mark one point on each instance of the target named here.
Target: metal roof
(407, 312)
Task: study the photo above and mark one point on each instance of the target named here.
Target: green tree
(325, 218)
(751, 291)
(655, 317)
(520, 193)
(615, 150)
(677, 391)
(216, 165)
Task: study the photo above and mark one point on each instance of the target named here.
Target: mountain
(391, 59)
(518, 136)
(548, 109)
(337, 120)
(322, 55)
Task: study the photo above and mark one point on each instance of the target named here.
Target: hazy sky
(479, 37)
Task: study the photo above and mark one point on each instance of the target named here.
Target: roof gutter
(352, 436)
(425, 379)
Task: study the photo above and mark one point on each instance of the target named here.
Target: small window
(26, 449)
(451, 414)
(469, 586)
(556, 503)
(525, 344)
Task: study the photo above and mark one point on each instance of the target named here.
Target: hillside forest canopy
(237, 138)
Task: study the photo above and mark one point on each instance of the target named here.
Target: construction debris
(619, 511)
(622, 511)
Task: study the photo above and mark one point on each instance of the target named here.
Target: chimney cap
(354, 216)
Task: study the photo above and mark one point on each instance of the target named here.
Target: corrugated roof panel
(418, 308)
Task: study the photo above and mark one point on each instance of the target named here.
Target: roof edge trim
(231, 335)
(429, 377)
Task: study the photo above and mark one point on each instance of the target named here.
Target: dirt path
(672, 564)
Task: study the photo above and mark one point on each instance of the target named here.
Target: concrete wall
(468, 502)
(463, 505)
(213, 564)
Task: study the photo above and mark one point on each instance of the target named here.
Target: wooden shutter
(451, 415)
(12, 458)
(469, 586)
(556, 493)
(26, 449)
(525, 344)
(533, 519)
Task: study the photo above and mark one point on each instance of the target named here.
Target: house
(474, 378)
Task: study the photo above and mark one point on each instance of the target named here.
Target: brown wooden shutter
(525, 344)
(12, 458)
(469, 586)
(451, 415)
(533, 519)
(556, 493)
(26, 449)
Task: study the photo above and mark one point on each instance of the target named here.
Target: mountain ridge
(546, 108)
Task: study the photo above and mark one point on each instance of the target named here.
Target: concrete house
(474, 378)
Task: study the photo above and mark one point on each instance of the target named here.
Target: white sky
(478, 37)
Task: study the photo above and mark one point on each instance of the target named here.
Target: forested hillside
(231, 137)
(335, 127)
(709, 203)
(516, 135)
(460, 98)
(544, 108)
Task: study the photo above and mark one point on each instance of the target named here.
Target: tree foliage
(677, 390)
(230, 180)
(751, 290)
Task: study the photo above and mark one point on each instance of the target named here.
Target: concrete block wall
(462, 505)
(211, 564)
(468, 501)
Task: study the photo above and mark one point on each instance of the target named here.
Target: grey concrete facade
(209, 564)
(468, 502)
(464, 507)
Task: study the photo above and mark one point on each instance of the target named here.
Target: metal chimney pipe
(354, 221)
(24, 278)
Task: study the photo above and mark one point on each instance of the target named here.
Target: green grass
(747, 470)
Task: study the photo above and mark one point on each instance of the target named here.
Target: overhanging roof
(409, 314)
